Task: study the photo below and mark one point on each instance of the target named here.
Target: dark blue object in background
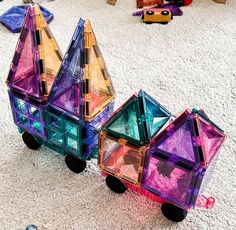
(13, 18)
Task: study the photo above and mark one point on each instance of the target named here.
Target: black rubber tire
(75, 164)
(163, 23)
(30, 141)
(173, 212)
(115, 184)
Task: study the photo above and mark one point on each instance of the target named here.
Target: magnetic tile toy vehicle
(60, 104)
(65, 104)
(162, 16)
(169, 164)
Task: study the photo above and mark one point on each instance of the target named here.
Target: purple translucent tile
(169, 182)
(23, 76)
(175, 10)
(180, 143)
(66, 92)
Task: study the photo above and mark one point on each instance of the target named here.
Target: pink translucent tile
(211, 139)
(168, 181)
(97, 100)
(180, 143)
(26, 63)
(28, 86)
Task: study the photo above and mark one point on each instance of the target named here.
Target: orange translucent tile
(123, 161)
(98, 84)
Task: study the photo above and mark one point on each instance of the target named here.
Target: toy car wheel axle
(30, 141)
(115, 184)
(74, 164)
(173, 212)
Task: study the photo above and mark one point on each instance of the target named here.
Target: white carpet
(189, 63)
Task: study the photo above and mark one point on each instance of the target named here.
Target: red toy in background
(181, 2)
(143, 3)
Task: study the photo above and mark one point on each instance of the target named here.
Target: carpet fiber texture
(191, 62)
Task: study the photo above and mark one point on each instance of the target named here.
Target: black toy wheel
(149, 23)
(163, 23)
(115, 184)
(173, 212)
(74, 164)
(142, 16)
(30, 141)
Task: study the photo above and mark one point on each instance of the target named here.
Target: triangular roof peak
(192, 137)
(138, 120)
(37, 58)
(83, 87)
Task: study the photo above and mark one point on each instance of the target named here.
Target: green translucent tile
(70, 128)
(37, 126)
(156, 118)
(21, 106)
(127, 123)
(72, 143)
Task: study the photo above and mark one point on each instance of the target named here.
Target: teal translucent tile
(54, 121)
(23, 120)
(156, 116)
(34, 112)
(127, 123)
(71, 129)
(72, 143)
(56, 137)
(37, 126)
(20, 105)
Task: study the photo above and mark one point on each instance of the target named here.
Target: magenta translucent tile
(168, 181)
(211, 139)
(180, 143)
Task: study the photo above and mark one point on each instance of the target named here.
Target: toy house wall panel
(169, 181)
(122, 160)
(27, 115)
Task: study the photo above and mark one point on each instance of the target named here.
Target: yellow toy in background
(156, 15)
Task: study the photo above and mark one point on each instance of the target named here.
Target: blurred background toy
(143, 3)
(175, 10)
(111, 2)
(13, 18)
(162, 16)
